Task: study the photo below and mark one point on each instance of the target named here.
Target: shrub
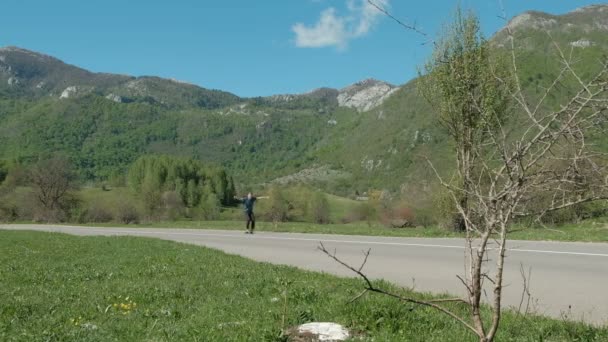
(319, 208)
(8, 212)
(364, 211)
(278, 205)
(447, 215)
(24, 202)
(425, 217)
(117, 179)
(209, 205)
(151, 194)
(98, 213)
(127, 213)
(3, 170)
(231, 214)
(299, 198)
(172, 205)
(399, 215)
(573, 214)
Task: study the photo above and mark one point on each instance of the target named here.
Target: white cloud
(328, 31)
(335, 30)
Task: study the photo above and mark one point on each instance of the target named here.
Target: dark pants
(250, 220)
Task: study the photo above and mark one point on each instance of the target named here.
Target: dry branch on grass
(370, 287)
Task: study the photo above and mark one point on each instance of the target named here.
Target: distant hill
(368, 135)
(29, 74)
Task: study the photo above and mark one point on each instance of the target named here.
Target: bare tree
(52, 179)
(548, 156)
(545, 157)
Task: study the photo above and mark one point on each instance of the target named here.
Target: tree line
(164, 187)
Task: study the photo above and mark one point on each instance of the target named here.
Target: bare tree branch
(369, 287)
(403, 24)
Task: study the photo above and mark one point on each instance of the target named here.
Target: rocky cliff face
(362, 96)
(365, 95)
(583, 27)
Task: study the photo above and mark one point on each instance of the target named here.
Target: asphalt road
(566, 278)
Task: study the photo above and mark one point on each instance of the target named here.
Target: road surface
(567, 278)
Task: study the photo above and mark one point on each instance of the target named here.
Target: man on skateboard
(248, 202)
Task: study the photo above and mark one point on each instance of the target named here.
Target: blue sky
(250, 48)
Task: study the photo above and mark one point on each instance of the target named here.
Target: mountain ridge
(43, 78)
(264, 138)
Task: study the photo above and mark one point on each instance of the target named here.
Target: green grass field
(56, 287)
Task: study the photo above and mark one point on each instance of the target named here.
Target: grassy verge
(56, 287)
(588, 231)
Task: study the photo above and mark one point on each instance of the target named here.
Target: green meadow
(56, 287)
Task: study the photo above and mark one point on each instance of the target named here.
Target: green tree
(117, 178)
(193, 194)
(151, 193)
(180, 188)
(190, 179)
(462, 82)
(210, 203)
(230, 192)
(172, 205)
(279, 206)
(3, 170)
(319, 208)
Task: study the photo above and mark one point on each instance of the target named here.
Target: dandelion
(76, 321)
(125, 307)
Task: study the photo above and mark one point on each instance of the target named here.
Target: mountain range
(366, 135)
(25, 73)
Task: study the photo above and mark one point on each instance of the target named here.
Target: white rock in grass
(324, 331)
(229, 324)
(89, 326)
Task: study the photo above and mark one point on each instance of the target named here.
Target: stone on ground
(319, 331)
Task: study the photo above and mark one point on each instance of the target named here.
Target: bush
(151, 195)
(278, 206)
(572, 214)
(117, 179)
(127, 213)
(172, 205)
(209, 205)
(8, 212)
(399, 215)
(446, 213)
(425, 217)
(3, 170)
(97, 213)
(318, 208)
(364, 211)
(231, 214)
(299, 198)
(23, 201)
